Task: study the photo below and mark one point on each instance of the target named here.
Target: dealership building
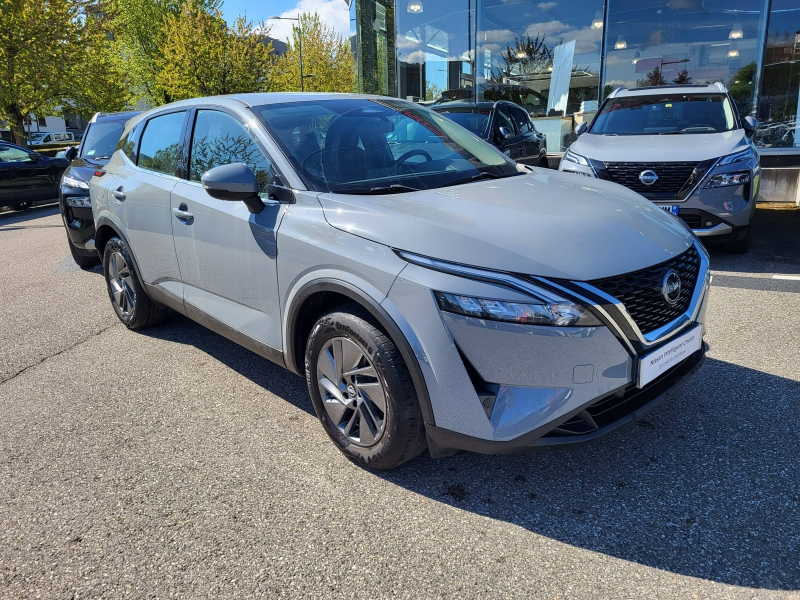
(560, 58)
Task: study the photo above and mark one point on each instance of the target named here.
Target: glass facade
(560, 59)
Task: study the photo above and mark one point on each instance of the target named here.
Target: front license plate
(670, 208)
(662, 360)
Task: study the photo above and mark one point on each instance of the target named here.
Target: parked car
(439, 295)
(99, 142)
(503, 124)
(27, 176)
(685, 148)
(43, 139)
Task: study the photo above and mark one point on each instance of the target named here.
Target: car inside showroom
(560, 60)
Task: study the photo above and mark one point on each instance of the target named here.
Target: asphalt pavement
(173, 463)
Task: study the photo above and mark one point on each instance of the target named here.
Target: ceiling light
(733, 52)
(414, 6)
(620, 44)
(736, 33)
(521, 54)
(597, 22)
(636, 57)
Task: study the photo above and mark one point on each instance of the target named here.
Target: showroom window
(662, 42)
(779, 104)
(544, 56)
(435, 40)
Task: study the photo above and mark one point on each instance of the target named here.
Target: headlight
(570, 156)
(737, 157)
(726, 179)
(74, 183)
(79, 201)
(561, 314)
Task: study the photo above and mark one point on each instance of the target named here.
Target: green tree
(202, 56)
(38, 45)
(328, 62)
(683, 78)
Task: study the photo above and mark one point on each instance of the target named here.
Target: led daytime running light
(561, 314)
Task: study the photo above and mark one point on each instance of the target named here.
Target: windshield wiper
(395, 188)
(672, 133)
(478, 177)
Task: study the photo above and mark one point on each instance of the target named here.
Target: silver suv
(684, 147)
(433, 295)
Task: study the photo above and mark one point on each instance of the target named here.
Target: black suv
(98, 144)
(502, 124)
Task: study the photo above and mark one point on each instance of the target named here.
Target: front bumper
(503, 387)
(605, 415)
(79, 222)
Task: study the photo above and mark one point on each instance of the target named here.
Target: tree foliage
(202, 56)
(38, 43)
(328, 62)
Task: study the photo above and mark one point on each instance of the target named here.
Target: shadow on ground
(708, 485)
(12, 220)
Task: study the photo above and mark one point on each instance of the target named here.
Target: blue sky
(333, 12)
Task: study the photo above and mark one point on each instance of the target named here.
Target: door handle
(182, 213)
(119, 194)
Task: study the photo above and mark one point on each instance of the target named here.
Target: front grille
(693, 221)
(672, 177)
(640, 291)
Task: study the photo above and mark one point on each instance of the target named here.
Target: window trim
(145, 122)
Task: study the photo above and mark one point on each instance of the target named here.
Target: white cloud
(545, 6)
(333, 12)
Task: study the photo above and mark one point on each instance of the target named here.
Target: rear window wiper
(395, 188)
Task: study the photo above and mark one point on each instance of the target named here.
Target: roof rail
(617, 91)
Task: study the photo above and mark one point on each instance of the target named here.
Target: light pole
(299, 45)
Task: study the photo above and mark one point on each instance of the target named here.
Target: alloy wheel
(351, 391)
(119, 279)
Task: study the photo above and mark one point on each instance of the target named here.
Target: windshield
(665, 114)
(476, 121)
(100, 140)
(356, 145)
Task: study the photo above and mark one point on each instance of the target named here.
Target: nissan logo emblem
(648, 177)
(671, 286)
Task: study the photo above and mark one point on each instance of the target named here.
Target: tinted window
(670, 113)
(357, 145)
(218, 140)
(128, 143)
(101, 139)
(476, 121)
(159, 149)
(11, 154)
(520, 120)
(504, 120)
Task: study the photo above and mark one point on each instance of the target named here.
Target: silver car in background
(432, 296)
(684, 147)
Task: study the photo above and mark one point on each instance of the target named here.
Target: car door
(140, 197)
(530, 140)
(511, 146)
(227, 255)
(31, 175)
(6, 178)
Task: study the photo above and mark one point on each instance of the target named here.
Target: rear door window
(160, 148)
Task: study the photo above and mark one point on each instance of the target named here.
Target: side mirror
(581, 128)
(750, 126)
(234, 182)
(71, 153)
(35, 157)
(504, 133)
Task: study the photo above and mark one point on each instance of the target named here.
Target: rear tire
(131, 303)
(362, 390)
(23, 206)
(740, 246)
(84, 261)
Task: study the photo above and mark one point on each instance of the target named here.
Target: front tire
(131, 303)
(362, 390)
(742, 245)
(84, 261)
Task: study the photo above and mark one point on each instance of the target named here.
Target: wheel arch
(105, 229)
(320, 296)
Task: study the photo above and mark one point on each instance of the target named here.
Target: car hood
(544, 223)
(688, 147)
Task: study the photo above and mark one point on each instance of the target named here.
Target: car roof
(465, 104)
(115, 116)
(690, 88)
